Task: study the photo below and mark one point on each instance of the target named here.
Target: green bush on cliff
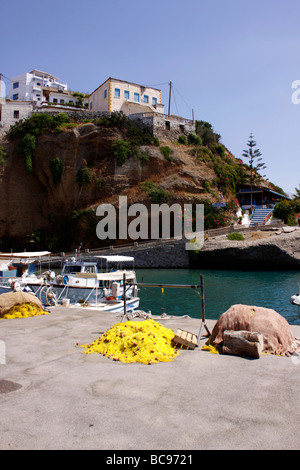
(157, 194)
(57, 167)
(3, 154)
(166, 151)
(205, 131)
(37, 124)
(131, 132)
(25, 148)
(85, 175)
(194, 139)
(123, 150)
(182, 139)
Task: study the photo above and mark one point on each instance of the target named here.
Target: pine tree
(297, 194)
(255, 164)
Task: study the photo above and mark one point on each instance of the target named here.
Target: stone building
(125, 97)
(13, 111)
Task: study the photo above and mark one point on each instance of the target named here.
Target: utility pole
(170, 99)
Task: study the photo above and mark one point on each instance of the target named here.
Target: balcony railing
(162, 115)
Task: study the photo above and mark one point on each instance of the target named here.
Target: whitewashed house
(31, 86)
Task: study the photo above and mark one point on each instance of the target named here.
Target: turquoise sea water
(271, 289)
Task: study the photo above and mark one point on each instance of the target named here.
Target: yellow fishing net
(23, 311)
(208, 346)
(144, 341)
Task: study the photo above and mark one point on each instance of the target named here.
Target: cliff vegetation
(54, 173)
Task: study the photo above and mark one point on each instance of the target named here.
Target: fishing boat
(17, 269)
(81, 282)
(113, 291)
(97, 283)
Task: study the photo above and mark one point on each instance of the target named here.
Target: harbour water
(271, 289)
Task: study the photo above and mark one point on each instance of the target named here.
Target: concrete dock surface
(53, 396)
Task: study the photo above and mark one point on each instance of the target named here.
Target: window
(62, 101)
(15, 85)
(117, 92)
(126, 94)
(16, 96)
(137, 97)
(16, 114)
(91, 106)
(90, 269)
(146, 99)
(54, 100)
(154, 101)
(105, 93)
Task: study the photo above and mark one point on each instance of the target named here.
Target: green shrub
(65, 125)
(218, 149)
(123, 150)
(61, 118)
(205, 131)
(57, 167)
(203, 154)
(98, 183)
(194, 139)
(291, 220)
(3, 154)
(182, 139)
(235, 236)
(84, 176)
(25, 148)
(214, 217)
(158, 195)
(144, 157)
(166, 152)
(206, 186)
(287, 210)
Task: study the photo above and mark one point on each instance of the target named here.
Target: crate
(185, 338)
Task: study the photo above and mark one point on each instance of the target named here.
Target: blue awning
(260, 190)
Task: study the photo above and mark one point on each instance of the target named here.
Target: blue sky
(232, 61)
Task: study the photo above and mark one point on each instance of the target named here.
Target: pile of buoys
(145, 341)
(23, 311)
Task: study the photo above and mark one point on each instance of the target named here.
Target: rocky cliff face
(31, 202)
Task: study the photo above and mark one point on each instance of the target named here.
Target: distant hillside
(54, 173)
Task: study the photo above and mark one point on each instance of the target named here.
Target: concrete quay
(53, 396)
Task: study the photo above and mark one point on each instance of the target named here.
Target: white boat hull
(295, 299)
(113, 306)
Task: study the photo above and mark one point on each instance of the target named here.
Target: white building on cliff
(31, 86)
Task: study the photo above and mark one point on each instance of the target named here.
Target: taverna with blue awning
(261, 196)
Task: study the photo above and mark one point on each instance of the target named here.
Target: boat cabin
(75, 266)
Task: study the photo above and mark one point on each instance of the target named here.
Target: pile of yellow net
(144, 341)
(23, 311)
